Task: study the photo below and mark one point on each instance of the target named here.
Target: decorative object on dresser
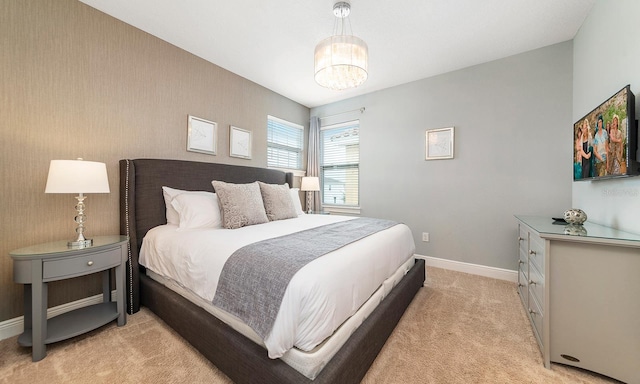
(310, 184)
(580, 293)
(239, 143)
(202, 136)
(575, 216)
(341, 61)
(37, 265)
(77, 176)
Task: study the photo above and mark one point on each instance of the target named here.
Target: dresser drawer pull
(90, 263)
(531, 282)
(532, 312)
(532, 252)
(520, 285)
(520, 238)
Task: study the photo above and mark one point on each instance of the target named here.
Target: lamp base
(309, 202)
(80, 243)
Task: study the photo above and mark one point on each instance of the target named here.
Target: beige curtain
(313, 157)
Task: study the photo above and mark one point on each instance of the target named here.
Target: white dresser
(581, 289)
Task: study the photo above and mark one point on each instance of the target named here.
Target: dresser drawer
(536, 285)
(536, 252)
(81, 265)
(523, 273)
(523, 261)
(522, 286)
(536, 319)
(523, 239)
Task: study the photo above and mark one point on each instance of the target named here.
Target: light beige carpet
(460, 328)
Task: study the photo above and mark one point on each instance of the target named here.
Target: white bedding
(320, 297)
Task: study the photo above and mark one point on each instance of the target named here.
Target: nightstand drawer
(81, 265)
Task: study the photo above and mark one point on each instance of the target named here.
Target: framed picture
(240, 143)
(439, 144)
(202, 136)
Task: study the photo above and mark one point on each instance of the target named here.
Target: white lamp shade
(77, 176)
(341, 62)
(310, 183)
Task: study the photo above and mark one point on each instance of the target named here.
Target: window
(284, 144)
(340, 164)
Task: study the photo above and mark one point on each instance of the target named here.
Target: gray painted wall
(512, 121)
(606, 59)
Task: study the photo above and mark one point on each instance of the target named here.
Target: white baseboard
(474, 269)
(11, 327)
(15, 326)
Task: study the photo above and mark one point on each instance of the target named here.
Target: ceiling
(271, 42)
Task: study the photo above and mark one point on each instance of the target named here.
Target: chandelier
(341, 60)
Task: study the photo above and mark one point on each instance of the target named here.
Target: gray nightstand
(37, 265)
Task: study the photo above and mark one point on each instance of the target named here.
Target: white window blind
(340, 163)
(284, 144)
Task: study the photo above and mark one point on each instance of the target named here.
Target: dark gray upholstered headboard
(142, 203)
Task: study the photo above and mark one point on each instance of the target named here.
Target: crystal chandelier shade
(341, 61)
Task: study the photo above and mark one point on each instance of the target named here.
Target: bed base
(243, 360)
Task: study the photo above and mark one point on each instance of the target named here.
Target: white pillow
(173, 217)
(197, 210)
(295, 196)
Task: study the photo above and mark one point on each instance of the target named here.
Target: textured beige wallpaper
(75, 82)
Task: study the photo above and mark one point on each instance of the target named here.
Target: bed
(240, 358)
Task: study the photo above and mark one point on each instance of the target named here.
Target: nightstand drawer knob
(531, 282)
(90, 263)
(532, 252)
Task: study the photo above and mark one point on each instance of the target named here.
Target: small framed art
(239, 143)
(202, 136)
(439, 144)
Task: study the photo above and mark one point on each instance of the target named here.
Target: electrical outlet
(425, 236)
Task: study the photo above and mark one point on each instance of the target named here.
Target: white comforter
(320, 297)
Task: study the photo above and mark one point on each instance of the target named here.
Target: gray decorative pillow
(241, 204)
(277, 201)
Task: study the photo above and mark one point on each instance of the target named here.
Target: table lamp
(310, 184)
(78, 176)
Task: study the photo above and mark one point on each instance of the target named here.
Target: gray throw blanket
(255, 277)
